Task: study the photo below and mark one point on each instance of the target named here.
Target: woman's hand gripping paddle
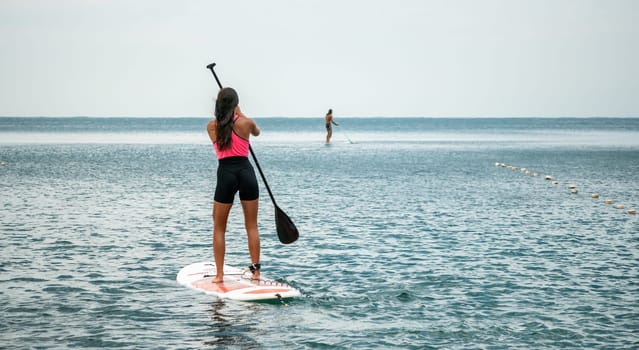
(286, 230)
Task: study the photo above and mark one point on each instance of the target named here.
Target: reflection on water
(234, 324)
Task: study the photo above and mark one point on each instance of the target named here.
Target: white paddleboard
(237, 284)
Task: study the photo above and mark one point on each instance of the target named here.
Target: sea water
(410, 236)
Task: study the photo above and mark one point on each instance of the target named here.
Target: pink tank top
(239, 146)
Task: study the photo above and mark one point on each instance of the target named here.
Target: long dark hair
(225, 104)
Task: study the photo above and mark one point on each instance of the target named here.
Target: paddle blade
(286, 230)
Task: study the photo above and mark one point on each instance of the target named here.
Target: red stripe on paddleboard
(224, 287)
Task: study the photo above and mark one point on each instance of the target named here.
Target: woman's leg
(250, 209)
(220, 217)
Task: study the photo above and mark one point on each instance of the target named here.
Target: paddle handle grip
(210, 66)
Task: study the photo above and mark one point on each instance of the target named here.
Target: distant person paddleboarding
(229, 133)
(329, 127)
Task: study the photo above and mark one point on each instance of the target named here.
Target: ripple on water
(402, 246)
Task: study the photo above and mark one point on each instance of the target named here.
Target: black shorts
(235, 174)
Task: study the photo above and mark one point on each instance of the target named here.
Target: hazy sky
(297, 58)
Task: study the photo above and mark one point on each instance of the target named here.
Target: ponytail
(225, 104)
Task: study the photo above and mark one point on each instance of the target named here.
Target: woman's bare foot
(218, 279)
(256, 275)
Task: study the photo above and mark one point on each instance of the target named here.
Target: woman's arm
(210, 128)
(253, 128)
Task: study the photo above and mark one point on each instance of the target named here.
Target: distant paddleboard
(237, 283)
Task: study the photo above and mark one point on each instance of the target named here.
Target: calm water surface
(411, 237)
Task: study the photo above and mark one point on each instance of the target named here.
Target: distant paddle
(348, 138)
(286, 230)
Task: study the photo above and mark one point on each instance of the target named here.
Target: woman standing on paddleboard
(329, 128)
(229, 133)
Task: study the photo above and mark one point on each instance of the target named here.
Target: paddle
(348, 138)
(286, 230)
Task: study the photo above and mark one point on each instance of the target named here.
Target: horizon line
(340, 117)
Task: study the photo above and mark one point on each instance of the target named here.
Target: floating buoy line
(572, 188)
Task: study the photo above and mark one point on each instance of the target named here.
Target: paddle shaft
(348, 138)
(210, 66)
